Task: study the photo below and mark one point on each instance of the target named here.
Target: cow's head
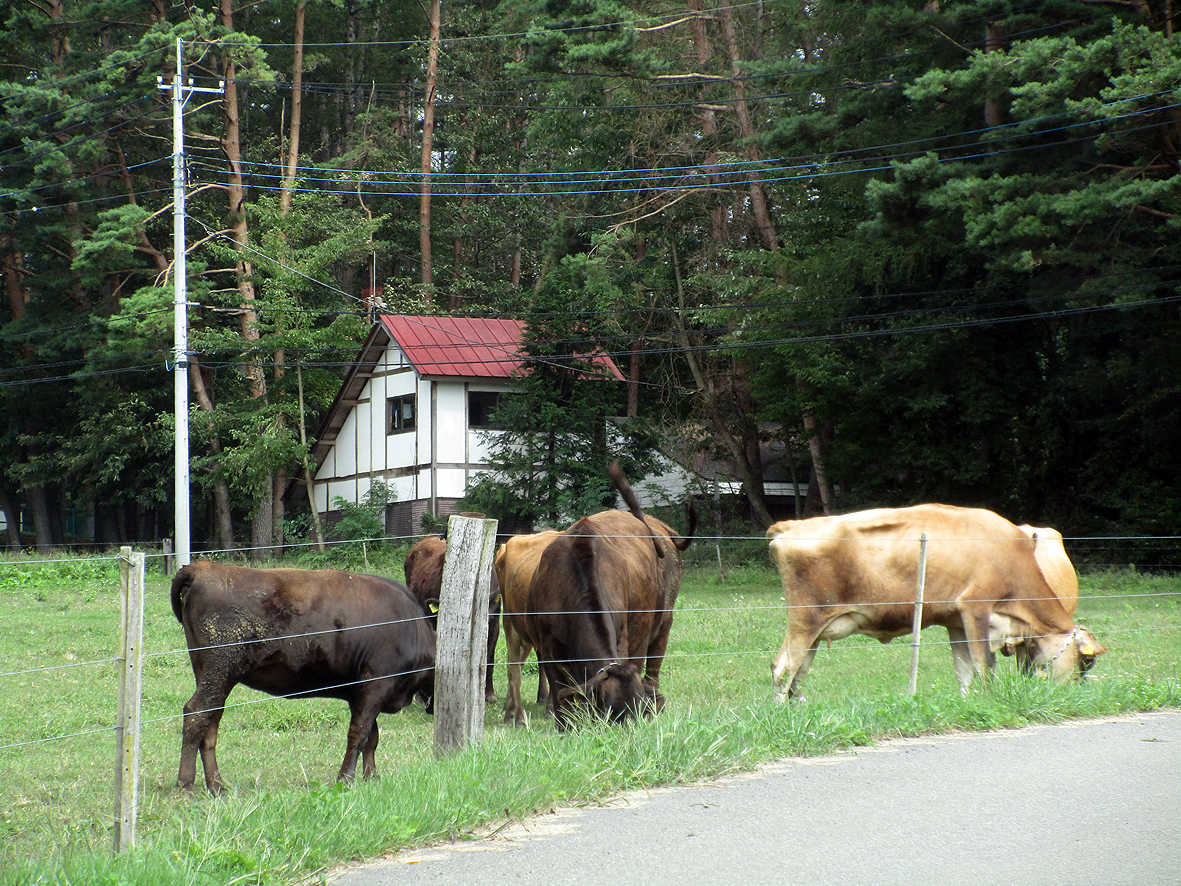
(615, 693)
(1068, 655)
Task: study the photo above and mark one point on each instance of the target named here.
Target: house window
(481, 409)
(400, 414)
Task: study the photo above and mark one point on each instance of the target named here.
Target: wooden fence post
(918, 616)
(461, 654)
(127, 725)
(166, 549)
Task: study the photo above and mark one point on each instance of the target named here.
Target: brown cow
(298, 633)
(599, 610)
(516, 562)
(858, 574)
(424, 578)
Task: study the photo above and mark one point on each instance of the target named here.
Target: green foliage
(59, 574)
(961, 325)
(363, 520)
(550, 461)
(969, 282)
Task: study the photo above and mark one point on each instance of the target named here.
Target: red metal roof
(468, 347)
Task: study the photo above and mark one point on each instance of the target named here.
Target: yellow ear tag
(434, 608)
(1086, 648)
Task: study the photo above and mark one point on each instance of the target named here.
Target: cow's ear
(569, 694)
(563, 700)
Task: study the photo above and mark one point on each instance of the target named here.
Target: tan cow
(516, 561)
(858, 574)
(1049, 549)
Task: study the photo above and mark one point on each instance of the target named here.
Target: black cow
(424, 578)
(300, 633)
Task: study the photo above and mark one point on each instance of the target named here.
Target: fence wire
(672, 654)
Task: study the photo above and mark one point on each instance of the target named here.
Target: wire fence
(48, 676)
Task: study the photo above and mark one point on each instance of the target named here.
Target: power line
(808, 166)
(34, 74)
(57, 134)
(562, 360)
(462, 87)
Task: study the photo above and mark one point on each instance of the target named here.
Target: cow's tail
(181, 582)
(625, 490)
(683, 542)
(615, 472)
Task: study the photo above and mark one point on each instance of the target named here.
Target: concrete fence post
(127, 725)
(462, 646)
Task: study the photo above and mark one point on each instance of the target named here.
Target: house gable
(430, 365)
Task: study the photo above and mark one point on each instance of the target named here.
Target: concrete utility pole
(180, 304)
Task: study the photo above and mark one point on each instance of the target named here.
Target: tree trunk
(12, 517)
(817, 448)
(350, 97)
(709, 126)
(38, 499)
(308, 479)
(994, 111)
(296, 110)
(456, 299)
(14, 288)
(286, 189)
(222, 518)
(262, 523)
(752, 481)
(145, 245)
(428, 136)
(746, 128)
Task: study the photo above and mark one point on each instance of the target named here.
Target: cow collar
(1070, 639)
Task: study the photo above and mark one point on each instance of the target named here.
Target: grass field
(284, 819)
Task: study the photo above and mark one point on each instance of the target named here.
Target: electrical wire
(58, 134)
(751, 171)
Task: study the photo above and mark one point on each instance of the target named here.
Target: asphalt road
(1094, 803)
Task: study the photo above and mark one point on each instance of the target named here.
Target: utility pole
(180, 304)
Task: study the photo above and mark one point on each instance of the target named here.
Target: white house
(414, 412)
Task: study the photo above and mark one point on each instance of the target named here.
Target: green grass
(284, 819)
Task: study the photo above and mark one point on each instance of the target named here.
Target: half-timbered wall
(428, 467)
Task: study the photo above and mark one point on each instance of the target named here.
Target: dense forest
(928, 248)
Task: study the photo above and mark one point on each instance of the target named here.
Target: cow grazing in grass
(424, 578)
(1049, 549)
(516, 562)
(298, 633)
(858, 574)
(599, 610)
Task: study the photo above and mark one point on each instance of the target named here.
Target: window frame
(395, 420)
(488, 409)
